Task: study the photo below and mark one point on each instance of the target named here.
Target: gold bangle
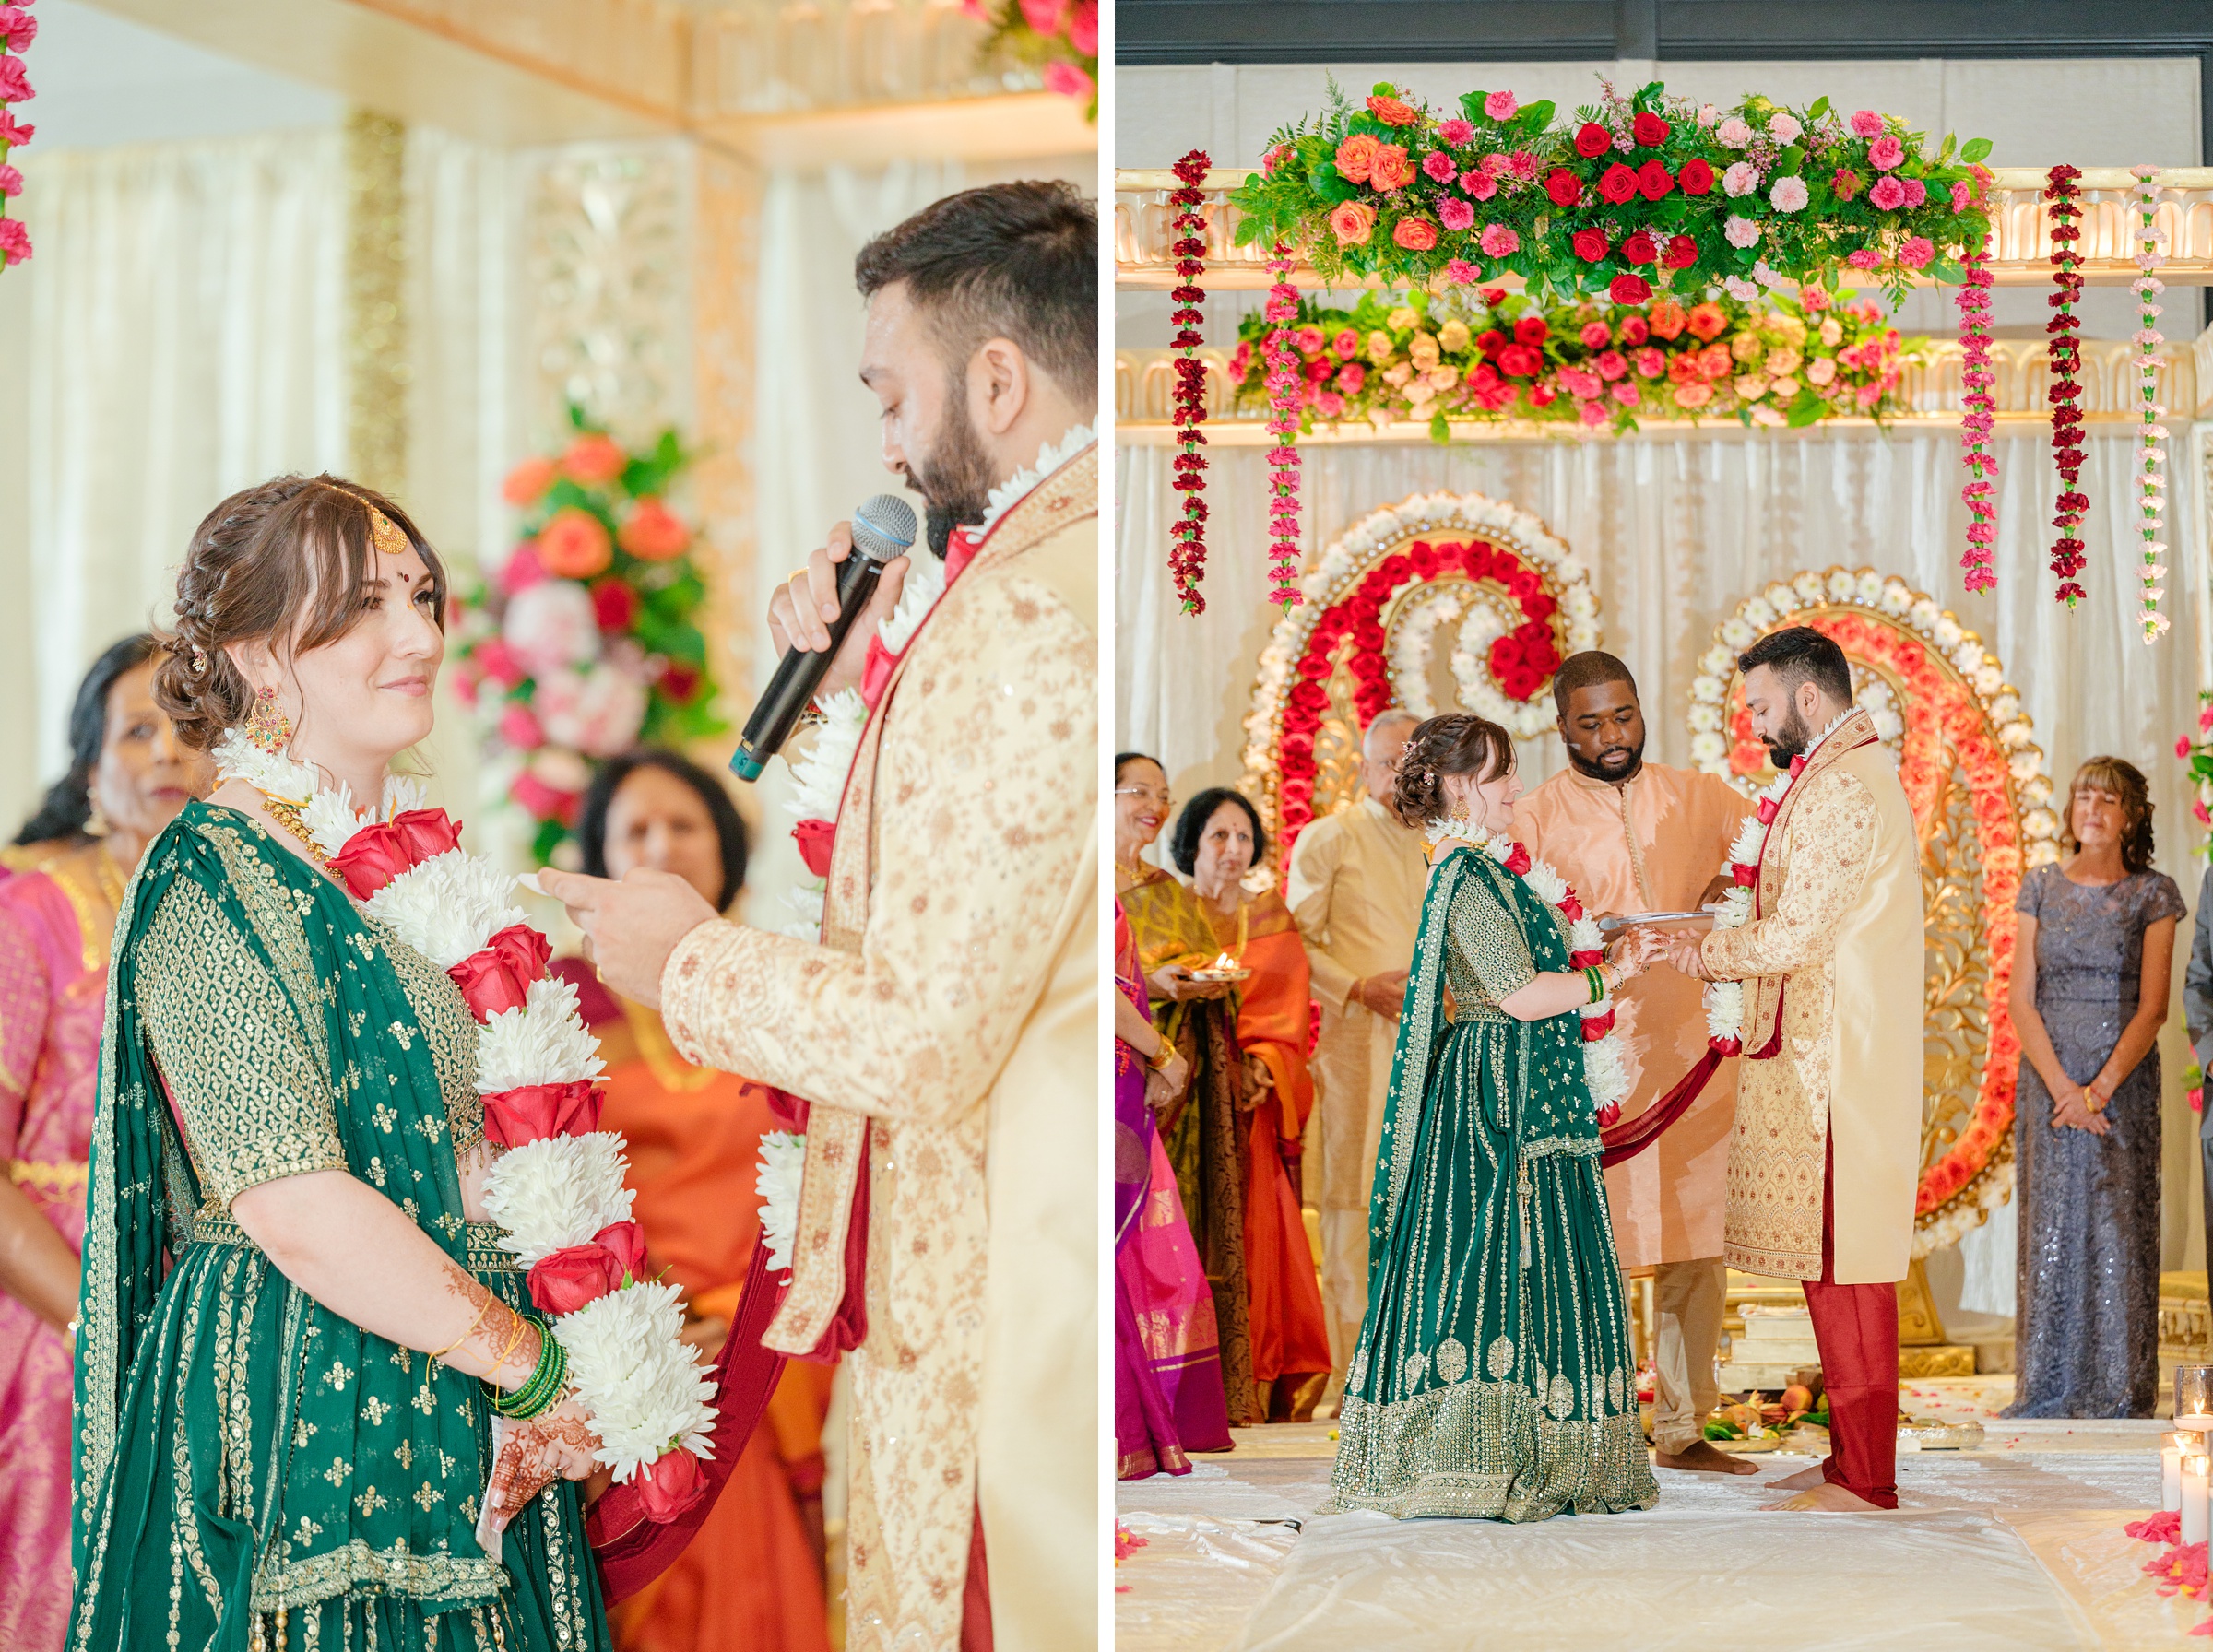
(482, 1309)
(1158, 1060)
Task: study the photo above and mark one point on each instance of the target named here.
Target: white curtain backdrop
(185, 314)
(1677, 530)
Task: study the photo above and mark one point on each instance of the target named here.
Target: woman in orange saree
(1218, 839)
(753, 1578)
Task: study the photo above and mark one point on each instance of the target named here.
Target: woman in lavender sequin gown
(2089, 993)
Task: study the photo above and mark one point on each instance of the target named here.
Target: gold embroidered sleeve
(1315, 860)
(1830, 843)
(231, 1051)
(1489, 941)
(986, 819)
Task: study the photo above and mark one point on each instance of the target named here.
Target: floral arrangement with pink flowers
(2195, 750)
(17, 29)
(1059, 39)
(1636, 194)
(1488, 355)
(586, 639)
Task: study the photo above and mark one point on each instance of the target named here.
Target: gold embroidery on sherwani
(979, 765)
(1817, 859)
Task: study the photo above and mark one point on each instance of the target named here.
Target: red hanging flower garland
(1187, 561)
(1286, 384)
(2065, 352)
(1976, 378)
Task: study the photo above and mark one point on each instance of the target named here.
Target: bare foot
(1700, 1457)
(1805, 1479)
(1827, 1499)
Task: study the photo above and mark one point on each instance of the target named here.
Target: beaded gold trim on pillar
(376, 319)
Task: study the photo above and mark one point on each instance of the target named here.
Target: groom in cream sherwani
(945, 1031)
(1827, 1149)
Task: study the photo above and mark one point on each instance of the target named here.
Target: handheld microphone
(883, 530)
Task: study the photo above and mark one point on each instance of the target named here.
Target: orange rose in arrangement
(1707, 320)
(1352, 223)
(1390, 112)
(573, 545)
(1356, 156)
(1667, 319)
(1415, 235)
(1391, 170)
(594, 459)
(528, 482)
(653, 532)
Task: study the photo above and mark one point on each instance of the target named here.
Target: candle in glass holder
(2193, 1397)
(2194, 1465)
(2171, 1467)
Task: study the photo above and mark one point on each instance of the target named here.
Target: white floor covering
(2015, 1546)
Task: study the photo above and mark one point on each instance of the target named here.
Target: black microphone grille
(883, 527)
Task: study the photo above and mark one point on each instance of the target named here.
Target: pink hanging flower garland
(2151, 481)
(2065, 352)
(1286, 383)
(1187, 561)
(17, 29)
(1977, 377)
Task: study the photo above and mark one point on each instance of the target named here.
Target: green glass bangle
(1597, 981)
(542, 1387)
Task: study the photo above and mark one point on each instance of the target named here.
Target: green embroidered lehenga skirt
(251, 1469)
(1493, 1378)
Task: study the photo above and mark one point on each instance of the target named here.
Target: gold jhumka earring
(267, 725)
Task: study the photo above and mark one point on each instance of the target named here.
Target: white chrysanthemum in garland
(782, 1159)
(1724, 1000)
(557, 1192)
(646, 1390)
(329, 815)
(447, 907)
(545, 1042)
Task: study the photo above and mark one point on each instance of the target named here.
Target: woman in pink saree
(128, 778)
(1169, 1399)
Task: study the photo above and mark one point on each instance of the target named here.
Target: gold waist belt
(213, 1225)
(51, 1178)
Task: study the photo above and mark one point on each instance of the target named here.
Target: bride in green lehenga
(1493, 1378)
(294, 1316)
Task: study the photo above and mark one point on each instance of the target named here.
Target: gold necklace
(287, 815)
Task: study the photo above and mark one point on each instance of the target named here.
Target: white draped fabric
(1676, 530)
(185, 319)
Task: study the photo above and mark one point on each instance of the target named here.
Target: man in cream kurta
(945, 1031)
(1633, 837)
(1826, 1149)
(1356, 890)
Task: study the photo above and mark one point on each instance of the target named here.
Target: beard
(1788, 741)
(955, 481)
(1625, 760)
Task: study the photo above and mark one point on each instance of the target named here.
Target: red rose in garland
(1618, 185)
(1654, 179)
(1531, 329)
(1682, 252)
(1591, 141)
(1639, 248)
(1696, 178)
(1629, 289)
(1565, 188)
(1650, 130)
(1590, 245)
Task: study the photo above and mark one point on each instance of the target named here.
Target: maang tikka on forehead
(385, 534)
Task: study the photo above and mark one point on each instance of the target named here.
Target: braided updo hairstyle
(284, 560)
(1454, 744)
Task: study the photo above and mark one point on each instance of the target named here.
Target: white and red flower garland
(1605, 1072)
(1976, 379)
(1724, 1000)
(2150, 481)
(2065, 393)
(1286, 385)
(17, 29)
(557, 1188)
(1187, 561)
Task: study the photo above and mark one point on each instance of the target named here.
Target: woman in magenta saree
(1168, 1396)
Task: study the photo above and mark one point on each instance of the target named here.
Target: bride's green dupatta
(243, 1452)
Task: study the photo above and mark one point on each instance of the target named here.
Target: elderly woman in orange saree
(753, 1578)
(1217, 840)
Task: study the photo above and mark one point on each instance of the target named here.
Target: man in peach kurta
(1826, 1149)
(1634, 837)
(1356, 890)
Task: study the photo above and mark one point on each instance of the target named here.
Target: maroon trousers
(1855, 1327)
